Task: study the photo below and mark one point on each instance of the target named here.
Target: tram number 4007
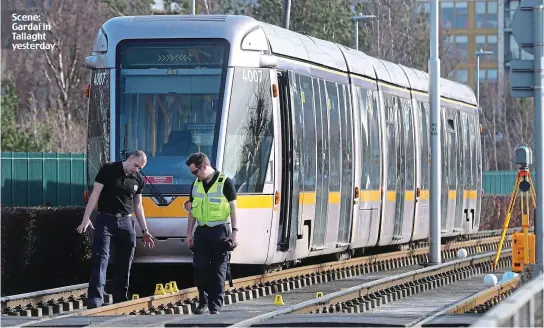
(99, 78)
(252, 75)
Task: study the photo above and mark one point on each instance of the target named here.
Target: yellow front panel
(176, 210)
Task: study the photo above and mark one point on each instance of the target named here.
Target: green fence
(501, 182)
(43, 179)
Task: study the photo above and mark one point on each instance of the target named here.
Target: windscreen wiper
(162, 201)
(157, 194)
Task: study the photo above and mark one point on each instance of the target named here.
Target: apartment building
(480, 24)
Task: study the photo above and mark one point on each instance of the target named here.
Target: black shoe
(201, 309)
(214, 312)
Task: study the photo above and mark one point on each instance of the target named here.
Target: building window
(461, 47)
(461, 75)
(446, 14)
(491, 75)
(492, 15)
(480, 42)
(487, 75)
(461, 14)
(453, 14)
(486, 14)
(492, 46)
(487, 42)
(482, 75)
(480, 14)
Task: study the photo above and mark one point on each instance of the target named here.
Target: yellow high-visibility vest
(212, 206)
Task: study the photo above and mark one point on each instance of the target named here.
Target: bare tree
(129, 7)
(50, 83)
(506, 122)
(400, 34)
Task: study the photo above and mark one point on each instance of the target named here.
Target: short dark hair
(198, 159)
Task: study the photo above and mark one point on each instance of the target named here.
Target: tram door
(290, 163)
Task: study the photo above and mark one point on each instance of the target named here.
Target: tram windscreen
(170, 96)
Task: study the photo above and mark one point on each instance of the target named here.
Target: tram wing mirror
(96, 61)
(267, 61)
(90, 62)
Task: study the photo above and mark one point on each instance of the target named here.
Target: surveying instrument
(523, 250)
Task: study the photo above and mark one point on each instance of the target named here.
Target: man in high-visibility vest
(213, 209)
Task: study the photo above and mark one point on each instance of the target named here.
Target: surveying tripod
(524, 183)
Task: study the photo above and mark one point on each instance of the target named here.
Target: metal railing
(521, 309)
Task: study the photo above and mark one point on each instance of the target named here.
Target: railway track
(57, 298)
(357, 305)
(406, 299)
(70, 302)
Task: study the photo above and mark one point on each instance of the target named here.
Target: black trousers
(210, 264)
(122, 233)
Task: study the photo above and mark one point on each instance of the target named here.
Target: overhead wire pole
(286, 13)
(436, 157)
(192, 7)
(525, 82)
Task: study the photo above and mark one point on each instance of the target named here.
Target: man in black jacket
(118, 190)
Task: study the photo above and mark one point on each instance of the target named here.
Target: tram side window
(298, 132)
(325, 137)
(375, 146)
(345, 136)
(347, 144)
(309, 140)
(391, 109)
(479, 164)
(424, 119)
(445, 164)
(249, 137)
(364, 97)
(474, 150)
(466, 150)
(321, 143)
(452, 148)
(346, 123)
(409, 142)
(334, 135)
